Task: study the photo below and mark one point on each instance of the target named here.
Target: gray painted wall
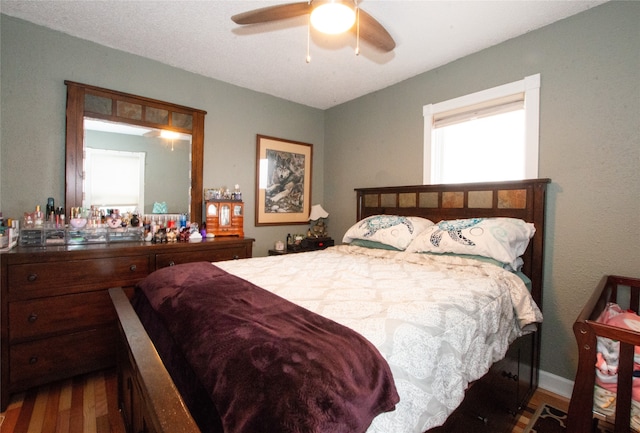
(589, 147)
(589, 138)
(35, 63)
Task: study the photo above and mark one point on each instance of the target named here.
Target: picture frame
(283, 181)
(211, 193)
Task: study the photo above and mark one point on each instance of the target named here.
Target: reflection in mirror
(131, 168)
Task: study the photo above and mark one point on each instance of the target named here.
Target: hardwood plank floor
(88, 404)
(84, 404)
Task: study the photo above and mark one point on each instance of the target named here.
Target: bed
(485, 399)
(604, 392)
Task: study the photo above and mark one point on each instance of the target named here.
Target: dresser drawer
(42, 279)
(210, 255)
(46, 316)
(55, 358)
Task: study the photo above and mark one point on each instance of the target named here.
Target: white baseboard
(556, 384)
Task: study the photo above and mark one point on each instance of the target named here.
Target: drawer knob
(236, 257)
(172, 263)
(32, 277)
(132, 268)
(33, 360)
(32, 317)
(483, 419)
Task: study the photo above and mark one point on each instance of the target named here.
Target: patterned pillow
(392, 230)
(502, 239)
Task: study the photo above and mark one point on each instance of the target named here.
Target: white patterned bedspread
(439, 321)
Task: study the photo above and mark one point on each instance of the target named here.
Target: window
(114, 179)
(491, 135)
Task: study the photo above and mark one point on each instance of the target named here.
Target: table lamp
(319, 228)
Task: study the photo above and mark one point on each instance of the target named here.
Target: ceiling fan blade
(373, 32)
(272, 13)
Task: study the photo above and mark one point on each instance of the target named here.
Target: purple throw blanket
(268, 364)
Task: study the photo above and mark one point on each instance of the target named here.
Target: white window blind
(114, 178)
(477, 111)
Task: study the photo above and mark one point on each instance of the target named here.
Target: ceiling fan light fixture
(333, 17)
(171, 135)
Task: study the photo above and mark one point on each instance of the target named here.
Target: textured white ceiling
(200, 37)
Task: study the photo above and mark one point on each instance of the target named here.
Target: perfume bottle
(38, 217)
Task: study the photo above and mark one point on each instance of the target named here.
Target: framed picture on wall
(283, 181)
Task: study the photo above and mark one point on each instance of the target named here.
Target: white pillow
(393, 230)
(502, 239)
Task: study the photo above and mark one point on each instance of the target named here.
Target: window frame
(530, 86)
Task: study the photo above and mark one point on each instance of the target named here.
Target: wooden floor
(84, 404)
(87, 404)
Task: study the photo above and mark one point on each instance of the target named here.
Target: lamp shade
(317, 212)
(333, 17)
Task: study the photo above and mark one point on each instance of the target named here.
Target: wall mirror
(130, 152)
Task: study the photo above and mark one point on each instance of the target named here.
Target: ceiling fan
(360, 23)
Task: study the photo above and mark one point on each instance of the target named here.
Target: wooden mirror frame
(136, 110)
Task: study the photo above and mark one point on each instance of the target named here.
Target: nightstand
(308, 244)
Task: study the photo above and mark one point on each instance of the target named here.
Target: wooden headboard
(516, 199)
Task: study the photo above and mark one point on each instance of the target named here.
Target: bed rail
(626, 292)
(155, 404)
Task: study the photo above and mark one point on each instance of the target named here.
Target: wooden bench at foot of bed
(625, 292)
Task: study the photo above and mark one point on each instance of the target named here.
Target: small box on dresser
(224, 217)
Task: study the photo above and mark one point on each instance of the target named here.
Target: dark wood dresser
(57, 317)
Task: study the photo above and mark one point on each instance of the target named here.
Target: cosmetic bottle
(50, 208)
(38, 218)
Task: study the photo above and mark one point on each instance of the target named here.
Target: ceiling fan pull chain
(357, 29)
(309, 39)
